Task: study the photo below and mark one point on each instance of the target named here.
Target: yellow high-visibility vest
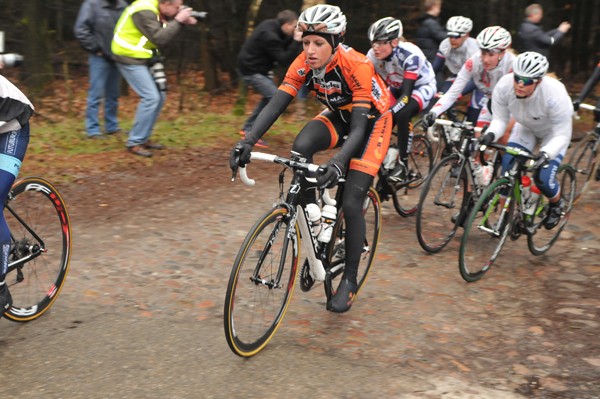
(128, 41)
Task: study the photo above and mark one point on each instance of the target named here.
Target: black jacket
(266, 47)
(429, 35)
(95, 24)
(533, 38)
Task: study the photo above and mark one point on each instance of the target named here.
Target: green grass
(190, 130)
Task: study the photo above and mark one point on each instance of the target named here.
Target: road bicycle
(504, 210)
(403, 193)
(445, 138)
(264, 273)
(40, 248)
(450, 189)
(584, 158)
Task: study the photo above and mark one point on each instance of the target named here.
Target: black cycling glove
(240, 154)
(487, 139)
(576, 104)
(541, 160)
(430, 118)
(334, 169)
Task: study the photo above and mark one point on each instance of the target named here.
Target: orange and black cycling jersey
(349, 81)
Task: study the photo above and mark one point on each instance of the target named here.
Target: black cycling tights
(313, 138)
(402, 120)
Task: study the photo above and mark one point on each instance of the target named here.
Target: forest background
(201, 69)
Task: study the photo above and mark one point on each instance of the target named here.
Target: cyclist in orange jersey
(356, 121)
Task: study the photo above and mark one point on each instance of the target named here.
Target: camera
(11, 60)
(158, 73)
(199, 14)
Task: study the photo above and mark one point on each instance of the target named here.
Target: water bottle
(532, 203)
(478, 170)
(525, 190)
(391, 157)
(329, 215)
(313, 213)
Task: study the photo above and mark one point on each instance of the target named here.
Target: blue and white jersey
(454, 58)
(406, 61)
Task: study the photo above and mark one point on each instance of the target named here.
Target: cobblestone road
(141, 313)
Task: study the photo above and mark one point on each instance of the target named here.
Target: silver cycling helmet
(494, 38)
(458, 26)
(530, 65)
(323, 18)
(385, 29)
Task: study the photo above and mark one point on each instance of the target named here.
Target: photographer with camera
(144, 27)
(94, 29)
(15, 111)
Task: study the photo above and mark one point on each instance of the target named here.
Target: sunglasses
(455, 35)
(380, 43)
(524, 81)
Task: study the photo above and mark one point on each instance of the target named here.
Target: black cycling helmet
(385, 29)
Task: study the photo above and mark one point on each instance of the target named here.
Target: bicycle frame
(315, 253)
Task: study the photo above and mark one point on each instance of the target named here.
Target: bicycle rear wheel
(486, 230)
(539, 240)
(40, 230)
(336, 254)
(584, 162)
(420, 161)
(442, 198)
(261, 283)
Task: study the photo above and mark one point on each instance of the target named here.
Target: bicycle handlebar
(583, 106)
(310, 167)
(461, 125)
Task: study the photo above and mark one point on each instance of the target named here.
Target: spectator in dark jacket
(533, 37)
(273, 42)
(430, 32)
(94, 29)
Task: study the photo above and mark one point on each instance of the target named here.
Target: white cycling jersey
(544, 116)
(12, 104)
(473, 70)
(455, 58)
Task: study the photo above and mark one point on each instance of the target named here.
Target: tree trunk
(37, 69)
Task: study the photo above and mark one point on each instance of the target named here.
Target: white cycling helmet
(385, 29)
(494, 38)
(459, 25)
(530, 65)
(323, 18)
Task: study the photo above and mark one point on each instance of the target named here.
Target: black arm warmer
(269, 115)
(358, 131)
(589, 85)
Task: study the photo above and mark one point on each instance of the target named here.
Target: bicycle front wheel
(486, 230)
(420, 162)
(442, 200)
(336, 254)
(584, 162)
(539, 240)
(261, 283)
(41, 232)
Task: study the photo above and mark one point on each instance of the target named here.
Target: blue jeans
(151, 101)
(104, 82)
(265, 86)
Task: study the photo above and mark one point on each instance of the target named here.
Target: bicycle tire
(584, 162)
(336, 249)
(440, 196)
(255, 304)
(45, 224)
(420, 162)
(541, 240)
(486, 230)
